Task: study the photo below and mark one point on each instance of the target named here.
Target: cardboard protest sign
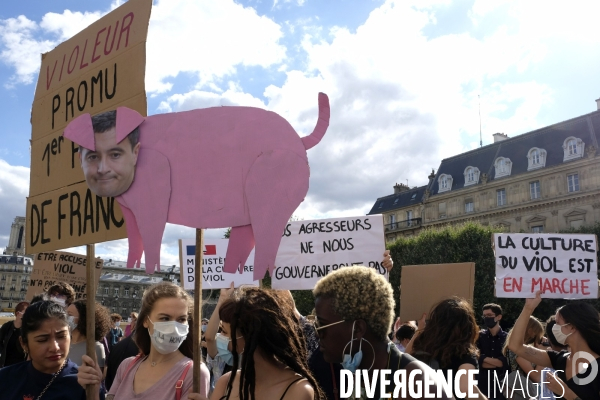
(57, 266)
(423, 286)
(99, 69)
(212, 266)
(562, 266)
(309, 250)
(251, 163)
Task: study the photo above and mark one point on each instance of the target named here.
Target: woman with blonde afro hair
(354, 313)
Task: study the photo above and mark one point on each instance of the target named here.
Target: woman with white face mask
(578, 371)
(77, 320)
(163, 333)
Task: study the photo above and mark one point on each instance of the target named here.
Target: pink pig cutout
(217, 167)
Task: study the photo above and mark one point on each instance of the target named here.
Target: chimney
(598, 103)
(431, 176)
(399, 188)
(498, 137)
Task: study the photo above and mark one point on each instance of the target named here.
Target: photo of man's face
(109, 170)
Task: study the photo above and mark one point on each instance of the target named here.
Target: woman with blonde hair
(162, 370)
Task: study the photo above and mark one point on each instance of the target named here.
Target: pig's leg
(136, 246)
(148, 199)
(276, 185)
(241, 243)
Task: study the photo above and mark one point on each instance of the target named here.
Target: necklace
(154, 363)
(52, 380)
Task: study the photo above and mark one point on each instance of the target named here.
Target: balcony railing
(409, 223)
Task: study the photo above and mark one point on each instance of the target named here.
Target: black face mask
(489, 322)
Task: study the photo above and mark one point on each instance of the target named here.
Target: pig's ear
(81, 132)
(127, 121)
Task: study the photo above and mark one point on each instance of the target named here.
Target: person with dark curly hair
(448, 340)
(77, 319)
(578, 326)
(62, 293)
(354, 314)
(262, 329)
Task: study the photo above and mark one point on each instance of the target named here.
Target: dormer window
(471, 176)
(573, 148)
(444, 183)
(503, 166)
(536, 158)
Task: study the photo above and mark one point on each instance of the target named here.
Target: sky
(407, 81)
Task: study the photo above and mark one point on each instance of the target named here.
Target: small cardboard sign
(212, 266)
(52, 267)
(310, 250)
(423, 286)
(562, 266)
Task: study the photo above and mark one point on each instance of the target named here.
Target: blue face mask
(223, 349)
(204, 328)
(350, 362)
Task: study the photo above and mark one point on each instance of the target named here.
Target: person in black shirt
(124, 349)
(578, 326)
(491, 360)
(11, 351)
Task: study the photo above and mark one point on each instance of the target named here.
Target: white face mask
(559, 335)
(58, 300)
(71, 322)
(168, 335)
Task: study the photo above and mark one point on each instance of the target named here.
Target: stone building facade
(541, 181)
(15, 268)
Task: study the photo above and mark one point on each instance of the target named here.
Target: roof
(400, 200)
(549, 138)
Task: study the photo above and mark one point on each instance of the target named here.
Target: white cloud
(68, 24)
(208, 39)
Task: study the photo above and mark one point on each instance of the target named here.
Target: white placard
(309, 250)
(563, 266)
(212, 267)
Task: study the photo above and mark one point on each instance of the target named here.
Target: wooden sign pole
(197, 316)
(90, 307)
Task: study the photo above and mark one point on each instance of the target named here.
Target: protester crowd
(256, 345)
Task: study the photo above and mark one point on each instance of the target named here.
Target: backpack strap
(179, 383)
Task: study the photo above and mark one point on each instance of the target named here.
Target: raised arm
(515, 344)
(213, 323)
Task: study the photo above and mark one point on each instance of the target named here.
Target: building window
(502, 166)
(573, 181)
(573, 148)
(444, 183)
(126, 292)
(469, 206)
(396, 201)
(536, 158)
(116, 291)
(501, 197)
(414, 196)
(381, 205)
(534, 190)
(442, 210)
(409, 216)
(576, 223)
(393, 221)
(106, 290)
(537, 229)
(471, 176)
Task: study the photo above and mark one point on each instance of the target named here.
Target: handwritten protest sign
(310, 250)
(563, 266)
(99, 69)
(212, 265)
(57, 266)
